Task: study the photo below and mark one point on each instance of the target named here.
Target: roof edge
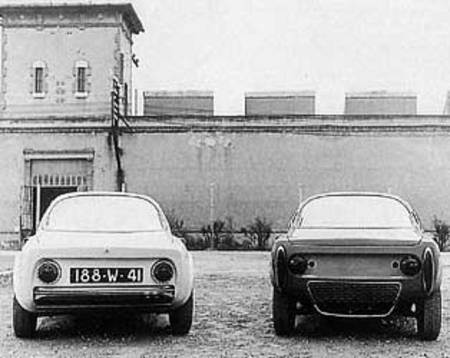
(278, 94)
(126, 8)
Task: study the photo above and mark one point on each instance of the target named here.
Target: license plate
(105, 275)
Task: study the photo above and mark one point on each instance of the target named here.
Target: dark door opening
(45, 196)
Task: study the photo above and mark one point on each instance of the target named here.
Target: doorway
(43, 197)
(48, 174)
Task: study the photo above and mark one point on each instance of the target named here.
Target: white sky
(329, 46)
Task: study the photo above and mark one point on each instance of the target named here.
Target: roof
(188, 93)
(357, 193)
(105, 193)
(126, 9)
(279, 94)
(380, 94)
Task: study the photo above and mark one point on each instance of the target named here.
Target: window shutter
(45, 79)
(88, 86)
(74, 79)
(88, 78)
(31, 83)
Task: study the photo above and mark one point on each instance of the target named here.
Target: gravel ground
(232, 319)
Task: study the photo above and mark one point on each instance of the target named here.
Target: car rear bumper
(71, 299)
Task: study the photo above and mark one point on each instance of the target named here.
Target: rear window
(354, 212)
(103, 213)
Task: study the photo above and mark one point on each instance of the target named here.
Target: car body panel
(102, 250)
(352, 237)
(352, 256)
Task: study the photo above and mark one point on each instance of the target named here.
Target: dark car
(356, 255)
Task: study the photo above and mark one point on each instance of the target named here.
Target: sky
(328, 46)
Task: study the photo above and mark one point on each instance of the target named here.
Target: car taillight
(410, 265)
(49, 271)
(297, 264)
(162, 271)
(280, 269)
(428, 271)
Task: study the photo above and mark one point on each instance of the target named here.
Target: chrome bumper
(103, 297)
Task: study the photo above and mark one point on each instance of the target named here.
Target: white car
(100, 251)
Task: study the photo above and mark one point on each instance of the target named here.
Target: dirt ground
(232, 319)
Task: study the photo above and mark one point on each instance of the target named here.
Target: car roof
(356, 193)
(105, 193)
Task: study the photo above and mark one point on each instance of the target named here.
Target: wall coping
(298, 124)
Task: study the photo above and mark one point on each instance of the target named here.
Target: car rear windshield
(354, 212)
(103, 213)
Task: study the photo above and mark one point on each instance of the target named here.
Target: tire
(181, 318)
(24, 322)
(283, 314)
(429, 315)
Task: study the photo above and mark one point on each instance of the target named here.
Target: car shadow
(103, 326)
(391, 327)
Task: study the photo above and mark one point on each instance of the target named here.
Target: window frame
(39, 73)
(81, 64)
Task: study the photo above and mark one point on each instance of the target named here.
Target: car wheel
(283, 314)
(24, 322)
(429, 315)
(181, 318)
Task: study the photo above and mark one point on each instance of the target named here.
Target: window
(81, 79)
(353, 211)
(39, 80)
(38, 84)
(104, 213)
(81, 73)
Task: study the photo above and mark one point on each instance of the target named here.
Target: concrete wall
(381, 103)
(59, 38)
(164, 103)
(248, 173)
(279, 103)
(261, 174)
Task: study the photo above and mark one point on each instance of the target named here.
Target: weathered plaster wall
(241, 173)
(262, 173)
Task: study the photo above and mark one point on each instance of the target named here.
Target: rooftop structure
(166, 103)
(380, 103)
(279, 103)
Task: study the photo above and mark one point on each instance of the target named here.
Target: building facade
(59, 60)
(57, 67)
(58, 63)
